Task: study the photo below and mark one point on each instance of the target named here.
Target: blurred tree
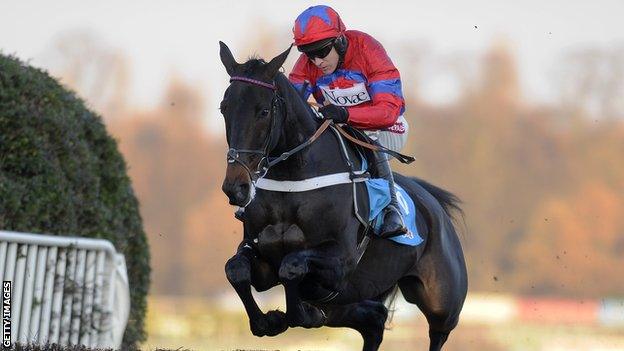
(267, 41)
(577, 244)
(591, 80)
(171, 160)
(186, 100)
(97, 71)
(212, 235)
(409, 63)
(499, 80)
(506, 160)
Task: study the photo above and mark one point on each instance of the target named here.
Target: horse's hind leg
(367, 317)
(437, 339)
(440, 305)
(241, 270)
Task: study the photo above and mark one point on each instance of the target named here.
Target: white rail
(65, 290)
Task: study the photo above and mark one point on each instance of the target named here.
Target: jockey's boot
(239, 214)
(393, 221)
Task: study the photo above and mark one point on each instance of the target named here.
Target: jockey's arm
(384, 88)
(383, 113)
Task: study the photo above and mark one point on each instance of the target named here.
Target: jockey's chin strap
(233, 154)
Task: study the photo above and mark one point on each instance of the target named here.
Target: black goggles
(321, 52)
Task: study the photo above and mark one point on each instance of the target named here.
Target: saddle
(369, 207)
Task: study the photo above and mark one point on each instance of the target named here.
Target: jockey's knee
(238, 269)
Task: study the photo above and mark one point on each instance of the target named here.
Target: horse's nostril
(243, 193)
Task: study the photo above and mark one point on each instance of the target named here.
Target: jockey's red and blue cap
(315, 24)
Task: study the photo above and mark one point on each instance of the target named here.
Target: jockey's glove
(338, 114)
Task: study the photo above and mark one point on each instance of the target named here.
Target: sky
(164, 37)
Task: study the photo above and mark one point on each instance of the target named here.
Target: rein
(298, 148)
(379, 148)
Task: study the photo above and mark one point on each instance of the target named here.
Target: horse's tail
(449, 201)
(390, 303)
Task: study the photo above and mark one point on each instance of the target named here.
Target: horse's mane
(255, 63)
(293, 95)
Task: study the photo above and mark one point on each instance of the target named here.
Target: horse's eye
(265, 112)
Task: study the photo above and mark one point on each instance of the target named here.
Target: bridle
(233, 154)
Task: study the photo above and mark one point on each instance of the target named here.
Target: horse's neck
(299, 124)
(321, 157)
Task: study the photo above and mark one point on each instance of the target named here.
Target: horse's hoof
(277, 322)
(258, 327)
(308, 317)
(270, 324)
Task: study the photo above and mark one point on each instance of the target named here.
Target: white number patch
(355, 95)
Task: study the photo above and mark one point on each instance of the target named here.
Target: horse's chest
(281, 227)
(283, 231)
(306, 209)
(277, 240)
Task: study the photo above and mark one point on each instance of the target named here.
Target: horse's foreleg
(293, 269)
(238, 270)
(323, 265)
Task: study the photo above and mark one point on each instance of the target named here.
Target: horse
(310, 241)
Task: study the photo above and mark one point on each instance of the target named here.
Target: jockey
(349, 72)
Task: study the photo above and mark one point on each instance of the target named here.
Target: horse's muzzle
(238, 194)
(238, 187)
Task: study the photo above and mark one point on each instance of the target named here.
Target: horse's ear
(277, 62)
(227, 58)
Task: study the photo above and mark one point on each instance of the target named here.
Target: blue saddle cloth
(379, 198)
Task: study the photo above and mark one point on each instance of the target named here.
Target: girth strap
(294, 186)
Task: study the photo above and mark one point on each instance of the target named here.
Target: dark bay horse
(308, 240)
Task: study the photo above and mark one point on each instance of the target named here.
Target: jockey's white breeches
(395, 138)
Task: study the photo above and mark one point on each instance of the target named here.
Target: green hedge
(61, 174)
